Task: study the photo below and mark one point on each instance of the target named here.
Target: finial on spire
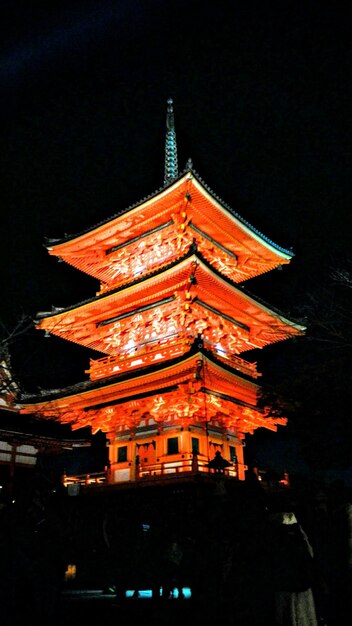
(171, 168)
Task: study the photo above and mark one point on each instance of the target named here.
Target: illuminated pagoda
(171, 320)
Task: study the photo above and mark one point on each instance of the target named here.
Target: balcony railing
(185, 466)
(154, 471)
(108, 366)
(96, 478)
(161, 350)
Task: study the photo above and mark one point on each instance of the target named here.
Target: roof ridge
(188, 169)
(238, 216)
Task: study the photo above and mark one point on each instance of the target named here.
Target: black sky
(262, 94)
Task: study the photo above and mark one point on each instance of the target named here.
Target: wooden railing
(185, 466)
(160, 350)
(172, 467)
(153, 470)
(96, 478)
(107, 366)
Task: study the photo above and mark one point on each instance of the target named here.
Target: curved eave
(284, 253)
(73, 245)
(152, 380)
(58, 246)
(219, 292)
(24, 429)
(159, 276)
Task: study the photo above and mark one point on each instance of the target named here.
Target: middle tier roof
(186, 299)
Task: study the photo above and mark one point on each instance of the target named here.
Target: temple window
(122, 454)
(233, 455)
(172, 445)
(195, 444)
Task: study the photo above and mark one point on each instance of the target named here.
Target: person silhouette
(218, 463)
(292, 573)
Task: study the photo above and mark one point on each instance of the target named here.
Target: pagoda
(171, 320)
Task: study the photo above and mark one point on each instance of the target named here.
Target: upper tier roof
(161, 227)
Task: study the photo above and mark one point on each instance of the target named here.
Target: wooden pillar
(135, 462)
(110, 438)
(12, 471)
(240, 462)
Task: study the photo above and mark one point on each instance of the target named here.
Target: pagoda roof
(152, 380)
(190, 279)
(209, 216)
(127, 398)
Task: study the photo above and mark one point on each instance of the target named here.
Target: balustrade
(152, 470)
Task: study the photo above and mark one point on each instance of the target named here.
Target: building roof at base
(27, 429)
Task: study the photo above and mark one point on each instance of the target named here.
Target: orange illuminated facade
(171, 320)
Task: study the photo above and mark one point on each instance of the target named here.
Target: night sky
(262, 98)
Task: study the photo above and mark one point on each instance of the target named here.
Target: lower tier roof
(192, 389)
